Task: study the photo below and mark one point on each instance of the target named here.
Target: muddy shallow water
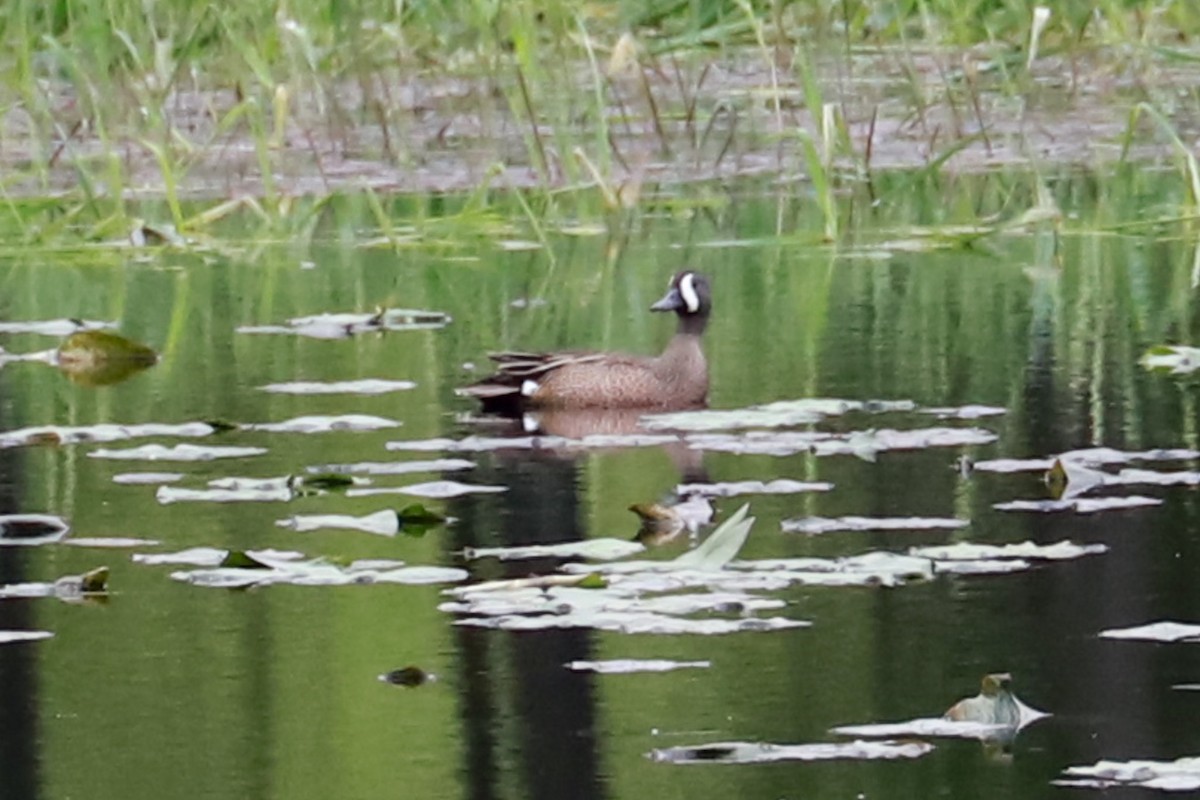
(175, 689)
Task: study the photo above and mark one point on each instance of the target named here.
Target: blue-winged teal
(676, 379)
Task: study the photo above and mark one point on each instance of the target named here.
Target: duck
(676, 379)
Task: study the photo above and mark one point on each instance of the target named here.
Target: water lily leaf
(1180, 775)
(70, 588)
(396, 467)
(102, 358)
(1088, 457)
(1148, 477)
(818, 525)
(731, 488)
(1156, 632)
(382, 523)
(1175, 359)
(325, 424)
(317, 572)
(55, 327)
(340, 326)
(623, 666)
(180, 452)
(31, 529)
(147, 478)
(1006, 465)
(407, 676)
(781, 414)
(862, 444)
(240, 559)
(1081, 505)
(480, 444)
(643, 623)
(110, 542)
(54, 434)
(434, 489)
(764, 752)
(417, 515)
(167, 495)
(364, 386)
(969, 551)
(211, 556)
(965, 412)
(597, 549)
(324, 481)
(8, 637)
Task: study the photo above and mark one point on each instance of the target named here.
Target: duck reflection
(522, 709)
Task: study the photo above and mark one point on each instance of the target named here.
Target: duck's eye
(687, 290)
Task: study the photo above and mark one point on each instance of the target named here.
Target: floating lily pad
(102, 358)
(70, 588)
(1175, 359)
(364, 386)
(1156, 632)
(416, 519)
(396, 467)
(54, 327)
(340, 326)
(634, 623)
(382, 523)
(31, 529)
(863, 444)
(623, 666)
(994, 713)
(111, 542)
(317, 573)
(764, 752)
(211, 556)
(325, 424)
(732, 488)
(819, 525)
(435, 489)
(597, 549)
(147, 478)
(54, 434)
(969, 551)
(781, 414)
(479, 444)
(175, 494)
(965, 412)
(180, 452)
(1180, 775)
(1081, 505)
(9, 637)
(1089, 457)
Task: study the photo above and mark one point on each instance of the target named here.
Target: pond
(170, 688)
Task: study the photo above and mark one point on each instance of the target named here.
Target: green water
(171, 690)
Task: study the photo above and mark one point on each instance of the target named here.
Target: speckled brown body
(676, 379)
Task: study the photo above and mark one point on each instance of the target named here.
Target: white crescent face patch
(687, 290)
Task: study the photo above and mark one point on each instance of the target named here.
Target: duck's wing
(501, 391)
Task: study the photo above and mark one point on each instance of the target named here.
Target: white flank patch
(687, 289)
(529, 388)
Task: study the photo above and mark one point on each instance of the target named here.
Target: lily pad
(1180, 775)
(325, 424)
(381, 523)
(1175, 359)
(396, 467)
(863, 444)
(317, 573)
(341, 326)
(167, 495)
(31, 529)
(965, 412)
(732, 488)
(54, 327)
(102, 358)
(212, 556)
(364, 386)
(623, 666)
(180, 452)
(147, 478)
(113, 542)
(969, 551)
(764, 752)
(1081, 505)
(818, 525)
(9, 637)
(781, 414)
(70, 588)
(435, 489)
(1156, 632)
(54, 434)
(597, 549)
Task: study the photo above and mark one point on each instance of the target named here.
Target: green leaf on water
(416, 520)
(239, 559)
(102, 358)
(593, 580)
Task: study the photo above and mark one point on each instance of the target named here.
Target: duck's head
(688, 295)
